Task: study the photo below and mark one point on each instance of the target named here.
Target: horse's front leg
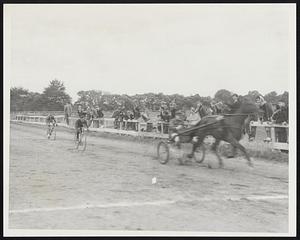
(235, 143)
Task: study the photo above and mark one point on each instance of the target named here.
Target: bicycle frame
(51, 127)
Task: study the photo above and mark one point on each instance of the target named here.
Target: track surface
(109, 187)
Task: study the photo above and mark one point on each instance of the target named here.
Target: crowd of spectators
(138, 111)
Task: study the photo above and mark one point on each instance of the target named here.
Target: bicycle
(51, 131)
(81, 142)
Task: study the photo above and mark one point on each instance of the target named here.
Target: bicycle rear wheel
(49, 133)
(53, 134)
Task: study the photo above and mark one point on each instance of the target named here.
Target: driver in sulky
(175, 125)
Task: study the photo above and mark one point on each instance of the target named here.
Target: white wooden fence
(275, 144)
(105, 125)
(144, 128)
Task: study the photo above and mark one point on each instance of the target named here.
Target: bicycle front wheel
(81, 144)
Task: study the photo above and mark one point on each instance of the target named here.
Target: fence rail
(151, 129)
(132, 127)
(274, 142)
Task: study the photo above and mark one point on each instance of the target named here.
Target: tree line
(54, 97)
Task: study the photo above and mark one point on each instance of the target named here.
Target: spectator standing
(216, 107)
(68, 112)
(207, 108)
(89, 116)
(200, 110)
(165, 117)
(267, 112)
(164, 114)
(251, 131)
(173, 108)
(280, 116)
(136, 112)
(99, 113)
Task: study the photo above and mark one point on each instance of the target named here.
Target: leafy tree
(223, 95)
(271, 97)
(18, 98)
(23, 100)
(54, 96)
(90, 97)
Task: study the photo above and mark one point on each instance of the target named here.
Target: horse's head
(248, 107)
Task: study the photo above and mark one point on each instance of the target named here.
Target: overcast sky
(170, 48)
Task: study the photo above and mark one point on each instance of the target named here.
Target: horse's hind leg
(196, 141)
(215, 149)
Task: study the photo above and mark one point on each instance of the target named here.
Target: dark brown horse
(228, 128)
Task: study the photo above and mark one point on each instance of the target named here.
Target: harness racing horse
(227, 127)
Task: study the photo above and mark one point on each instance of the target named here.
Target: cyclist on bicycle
(51, 122)
(79, 124)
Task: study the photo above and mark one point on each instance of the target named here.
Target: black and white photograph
(149, 119)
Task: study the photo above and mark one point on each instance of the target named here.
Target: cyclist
(79, 124)
(51, 122)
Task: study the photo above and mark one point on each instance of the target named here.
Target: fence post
(273, 137)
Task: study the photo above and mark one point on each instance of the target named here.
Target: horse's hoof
(209, 166)
(190, 155)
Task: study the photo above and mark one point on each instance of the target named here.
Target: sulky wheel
(163, 152)
(199, 154)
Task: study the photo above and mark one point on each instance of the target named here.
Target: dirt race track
(109, 187)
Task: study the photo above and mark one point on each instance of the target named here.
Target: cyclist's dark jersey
(81, 113)
(80, 124)
(50, 119)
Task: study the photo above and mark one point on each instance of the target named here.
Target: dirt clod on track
(109, 187)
